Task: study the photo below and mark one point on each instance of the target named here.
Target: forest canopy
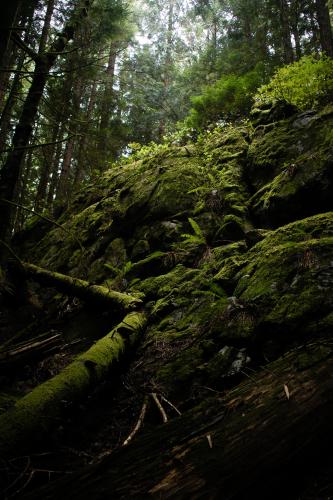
(80, 80)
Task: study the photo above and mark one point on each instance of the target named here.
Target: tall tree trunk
(107, 103)
(167, 64)
(53, 183)
(81, 160)
(9, 13)
(24, 19)
(10, 172)
(9, 62)
(64, 184)
(7, 111)
(46, 26)
(295, 10)
(46, 168)
(325, 28)
(298, 47)
(285, 32)
(20, 213)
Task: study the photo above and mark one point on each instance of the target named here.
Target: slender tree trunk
(285, 32)
(168, 63)
(107, 103)
(24, 19)
(9, 12)
(214, 42)
(315, 31)
(298, 47)
(46, 26)
(63, 121)
(294, 11)
(64, 184)
(45, 171)
(7, 111)
(10, 172)
(325, 28)
(20, 213)
(55, 172)
(5, 75)
(81, 161)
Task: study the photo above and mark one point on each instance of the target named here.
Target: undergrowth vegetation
(307, 83)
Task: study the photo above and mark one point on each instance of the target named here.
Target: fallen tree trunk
(43, 408)
(80, 288)
(253, 442)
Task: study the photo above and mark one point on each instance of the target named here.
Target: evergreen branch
(20, 43)
(35, 146)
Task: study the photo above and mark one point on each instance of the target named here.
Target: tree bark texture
(256, 441)
(34, 416)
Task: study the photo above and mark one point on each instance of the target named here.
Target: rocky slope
(229, 244)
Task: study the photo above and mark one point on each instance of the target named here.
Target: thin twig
(35, 146)
(170, 404)
(11, 251)
(139, 422)
(30, 477)
(160, 407)
(19, 477)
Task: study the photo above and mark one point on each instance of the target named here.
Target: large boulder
(290, 168)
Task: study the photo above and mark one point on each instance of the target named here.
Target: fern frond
(196, 228)
(112, 268)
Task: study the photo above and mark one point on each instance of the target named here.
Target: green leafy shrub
(139, 152)
(228, 98)
(307, 83)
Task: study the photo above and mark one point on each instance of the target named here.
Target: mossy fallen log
(80, 288)
(43, 408)
(260, 440)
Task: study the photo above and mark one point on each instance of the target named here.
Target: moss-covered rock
(178, 228)
(287, 279)
(264, 113)
(290, 166)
